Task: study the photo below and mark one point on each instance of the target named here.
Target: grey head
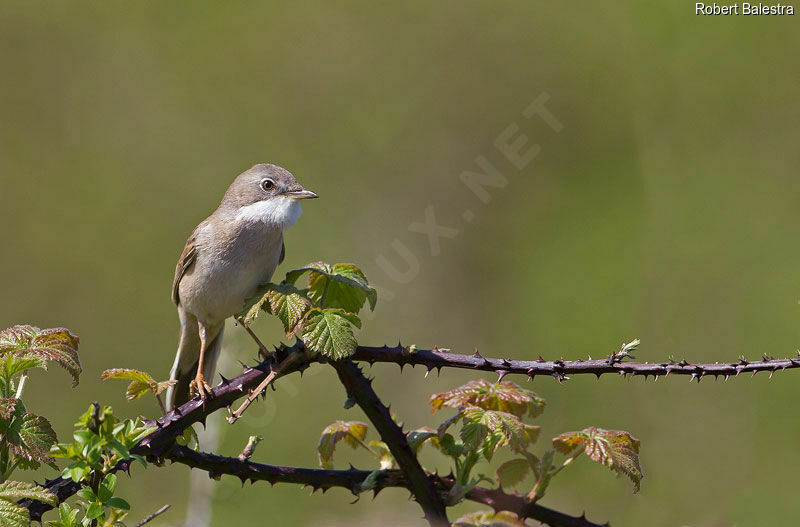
(264, 182)
(265, 194)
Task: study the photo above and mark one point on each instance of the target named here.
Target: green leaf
(57, 344)
(86, 494)
(284, 301)
(67, 517)
(487, 430)
(489, 519)
(13, 364)
(418, 437)
(118, 503)
(95, 510)
(340, 285)
(351, 432)
(543, 470)
(107, 487)
(504, 396)
(30, 436)
(12, 515)
(450, 447)
(141, 381)
(511, 473)
(17, 490)
(616, 449)
(330, 332)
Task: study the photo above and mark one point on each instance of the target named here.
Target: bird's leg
(263, 352)
(199, 384)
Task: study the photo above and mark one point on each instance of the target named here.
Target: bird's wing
(283, 252)
(184, 263)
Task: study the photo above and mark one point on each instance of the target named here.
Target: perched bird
(225, 259)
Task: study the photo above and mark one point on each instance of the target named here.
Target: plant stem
(21, 386)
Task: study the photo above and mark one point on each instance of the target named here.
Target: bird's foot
(200, 387)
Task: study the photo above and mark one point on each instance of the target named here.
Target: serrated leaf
(330, 332)
(489, 519)
(18, 490)
(12, 515)
(7, 407)
(30, 436)
(56, 344)
(616, 449)
(504, 396)
(14, 364)
(141, 382)
(487, 430)
(512, 472)
(284, 301)
(341, 285)
(351, 432)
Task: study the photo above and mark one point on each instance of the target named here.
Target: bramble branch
(353, 479)
(560, 369)
(360, 389)
(162, 440)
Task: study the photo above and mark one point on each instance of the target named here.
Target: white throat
(281, 211)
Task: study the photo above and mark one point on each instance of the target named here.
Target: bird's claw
(200, 387)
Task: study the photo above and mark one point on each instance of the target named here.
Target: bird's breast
(228, 270)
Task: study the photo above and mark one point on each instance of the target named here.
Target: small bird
(225, 259)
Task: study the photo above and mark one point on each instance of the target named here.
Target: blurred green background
(666, 209)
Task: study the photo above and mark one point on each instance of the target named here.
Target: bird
(226, 258)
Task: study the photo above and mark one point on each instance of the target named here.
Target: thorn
(478, 355)
(501, 374)
(224, 380)
(506, 362)
(726, 377)
(540, 359)
(683, 363)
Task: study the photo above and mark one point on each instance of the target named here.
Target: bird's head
(266, 193)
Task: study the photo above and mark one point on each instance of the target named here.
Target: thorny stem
(174, 423)
(269, 379)
(560, 369)
(360, 388)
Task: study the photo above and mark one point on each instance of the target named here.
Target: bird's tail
(184, 368)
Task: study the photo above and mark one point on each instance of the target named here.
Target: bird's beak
(300, 193)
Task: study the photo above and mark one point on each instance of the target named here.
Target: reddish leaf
(504, 396)
(56, 344)
(616, 449)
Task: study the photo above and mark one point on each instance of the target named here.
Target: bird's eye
(267, 184)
